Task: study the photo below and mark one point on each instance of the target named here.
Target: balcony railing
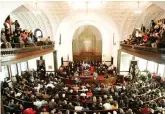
(148, 49)
(15, 51)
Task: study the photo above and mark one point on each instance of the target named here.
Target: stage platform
(90, 79)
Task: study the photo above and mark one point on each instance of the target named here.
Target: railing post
(118, 61)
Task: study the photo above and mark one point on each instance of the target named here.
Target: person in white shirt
(107, 106)
(76, 73)
(50, 85)
(94, 99)
(38, 87)
(18, 94)
(3, 37)
(29, 41)
(140, 34)
(65, 88)
(83, 94)
(154, 45)
(78, 107)
(37, 103)
(163, 26)
(137, 34)
(41, 38)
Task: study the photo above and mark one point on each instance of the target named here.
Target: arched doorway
(87, 44)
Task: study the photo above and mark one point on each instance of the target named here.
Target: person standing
(3, 37)
(17, 25)
(143, 29)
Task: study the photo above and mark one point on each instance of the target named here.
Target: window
(13, 70)
(19, 69)
(152, 67)
(161, 70)
(33, 63)
(124, 73)
(49, 62)
(142, 63)
(125, 61)
(24, 66)
(5, 72)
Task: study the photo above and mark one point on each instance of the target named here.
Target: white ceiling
(54, 12)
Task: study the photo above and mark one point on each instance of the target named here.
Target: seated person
(29, 111)
(91, 71)
(76, 88)
(95, 74)
(111, 69)
(78, 107)
(22, 43)
(128, 77)
(48, 41)
(76, 73)
(29, 40)
(77, 80)
(89, 93)
(145, 110)
(107, 106)
(107, 76)
(114, 105)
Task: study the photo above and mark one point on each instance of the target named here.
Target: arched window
(38, 34)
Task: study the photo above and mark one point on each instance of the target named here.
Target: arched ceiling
(134, 21)
(31, 20)
(90, 28)
(54, 12)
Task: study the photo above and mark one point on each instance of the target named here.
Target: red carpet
(101, 77)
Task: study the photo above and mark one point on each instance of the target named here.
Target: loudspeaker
(111, 60)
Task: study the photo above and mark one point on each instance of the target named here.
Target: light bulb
(138, 11)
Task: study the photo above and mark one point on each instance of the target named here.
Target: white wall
(24, 13)
(49, 61)
(32, 63)
(6, 7)
(71, 23)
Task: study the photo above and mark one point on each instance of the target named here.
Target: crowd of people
(78, 68)
(153, 37)
(13, 36)
(33, 94)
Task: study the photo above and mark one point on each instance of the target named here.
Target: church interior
(82, 57)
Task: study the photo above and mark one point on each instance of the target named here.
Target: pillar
(118, 61)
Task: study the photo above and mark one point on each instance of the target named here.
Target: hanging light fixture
(82, 4)
(36, 9)
(86, 7)
(138, 10)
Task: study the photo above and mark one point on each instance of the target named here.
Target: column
(55, 60)
(118, 61)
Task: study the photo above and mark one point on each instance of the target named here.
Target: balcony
(14, 55)
(152, 54)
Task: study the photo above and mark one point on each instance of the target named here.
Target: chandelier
(138, 10)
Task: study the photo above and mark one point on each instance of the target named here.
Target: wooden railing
(148, 49)
(14, 51)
